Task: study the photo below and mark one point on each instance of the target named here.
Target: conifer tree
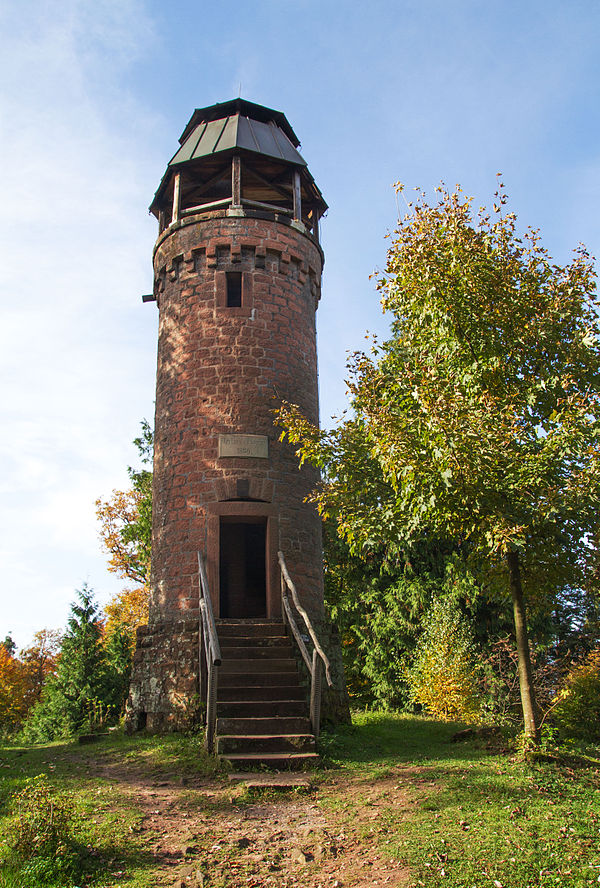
(82, 682)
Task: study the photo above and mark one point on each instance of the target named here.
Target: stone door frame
(234, 509)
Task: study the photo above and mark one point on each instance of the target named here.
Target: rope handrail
(319, 650)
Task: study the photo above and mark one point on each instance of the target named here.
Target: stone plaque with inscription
(249, 446)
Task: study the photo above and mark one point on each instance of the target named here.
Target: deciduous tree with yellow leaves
(126, 533)
(480, 414)
(14, 686)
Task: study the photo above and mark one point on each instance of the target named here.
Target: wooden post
(202, 669)
(236, 181)
(282, 591)
(316, 225)
(176, 197)
(315, 694)
(297, 197)
(161, 221)
(211, 708)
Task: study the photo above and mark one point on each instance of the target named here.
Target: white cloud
(76, 345)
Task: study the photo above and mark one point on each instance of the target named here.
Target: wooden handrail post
(210, 617)
(282, 588)
(306, 618)
(211, 708)
(315, 694)
(319, 658)
(202, 690)
(208, 641)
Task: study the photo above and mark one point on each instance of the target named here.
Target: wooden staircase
(262, 714)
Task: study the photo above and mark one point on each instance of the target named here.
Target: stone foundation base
(164, 691)
(165, 695)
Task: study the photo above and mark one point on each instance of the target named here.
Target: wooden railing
(209, 646)
(319, 658)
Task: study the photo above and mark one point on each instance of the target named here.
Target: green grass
(106, 830)
(381, 740)
(461, 815)
(479, 818)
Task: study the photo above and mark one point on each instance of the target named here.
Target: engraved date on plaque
(254, 446)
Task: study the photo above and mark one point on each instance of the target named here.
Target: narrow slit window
(234, 289)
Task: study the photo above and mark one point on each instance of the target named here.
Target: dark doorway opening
(242, 567)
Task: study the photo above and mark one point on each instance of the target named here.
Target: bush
(443, 677)
(43, 823)
(41, 841)
(577, 713)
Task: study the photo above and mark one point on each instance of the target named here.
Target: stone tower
(237, 271)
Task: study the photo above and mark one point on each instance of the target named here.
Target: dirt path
(207, 833)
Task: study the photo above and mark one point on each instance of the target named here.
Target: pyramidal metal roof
(238, 124)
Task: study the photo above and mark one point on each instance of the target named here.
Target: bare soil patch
(208, 833)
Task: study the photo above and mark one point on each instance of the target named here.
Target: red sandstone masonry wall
(223, 371)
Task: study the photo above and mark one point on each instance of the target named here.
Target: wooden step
(282, 651)
(234, 693)
(282, 708)
(273, 725)
(283, 761)
(255, 680)
(255, 641)
(243, 744)
(246, 666)
(272, 780)
(250, 628)
(261, 704)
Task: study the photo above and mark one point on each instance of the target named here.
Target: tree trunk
(528, 702)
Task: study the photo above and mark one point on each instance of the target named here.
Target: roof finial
(240, 91)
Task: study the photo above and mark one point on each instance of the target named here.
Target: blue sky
(94, 97)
